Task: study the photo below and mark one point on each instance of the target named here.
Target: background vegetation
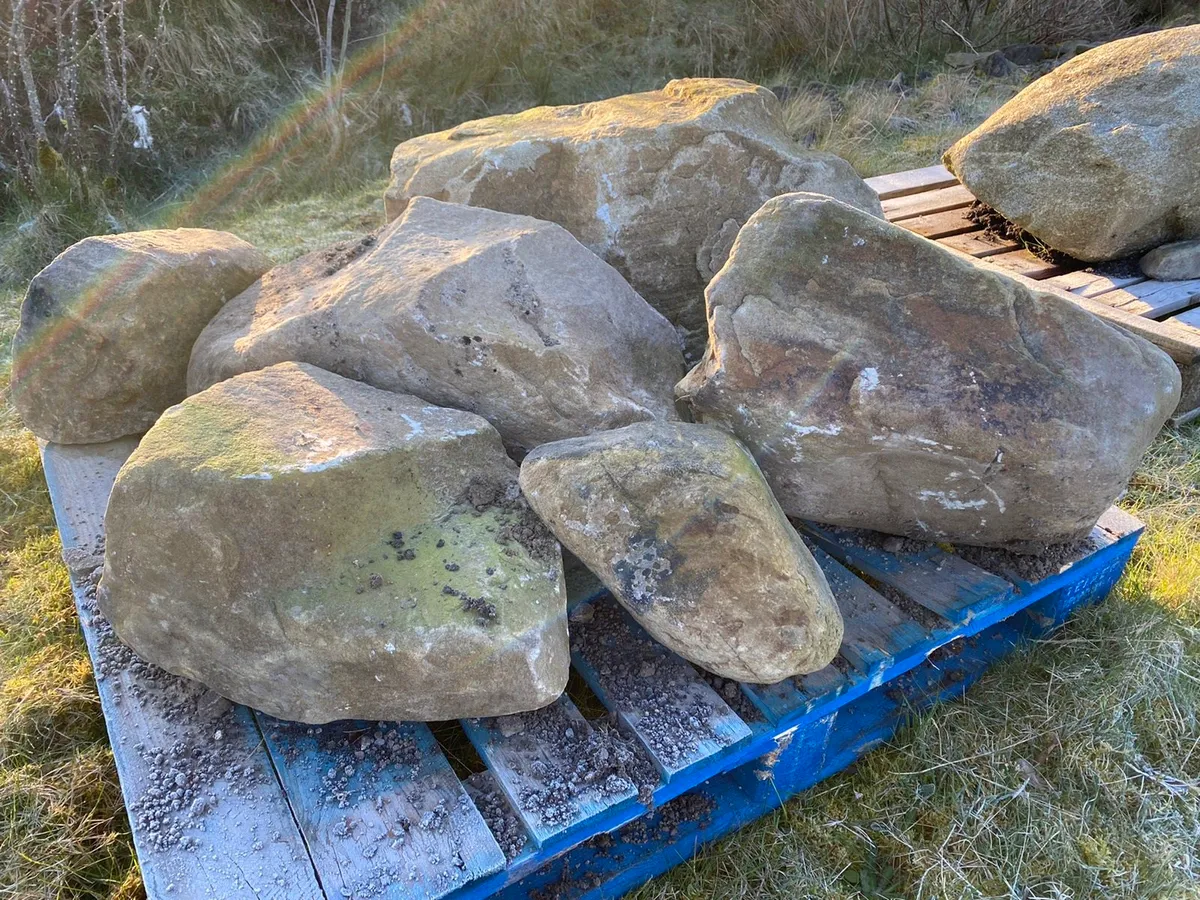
(121, 112)
(1070, 771)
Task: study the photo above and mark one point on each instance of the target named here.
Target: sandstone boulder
(1099, 157)
(320, 549)
(657, 184)
(505, 316)
(106, 329)
(679, 524)
(1178, 261)
(884, 382)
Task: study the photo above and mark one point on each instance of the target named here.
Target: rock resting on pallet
(501, 315)
(107, 327)
(657, 183)
(678, 522)
(884, 382)
(1177, 261)
(1098, 158)
(319, 549)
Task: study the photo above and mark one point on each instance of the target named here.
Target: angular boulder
(657, 184)
(320, 549)
(1099, 157)
(107, 328)
(501, 315)
(1178, 261)
(679, 524)
(884, 382)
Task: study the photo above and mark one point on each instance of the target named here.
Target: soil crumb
(519, 523)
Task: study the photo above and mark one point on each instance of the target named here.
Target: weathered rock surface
(884, 382)
(657, 184)
(1099, 157)
(320, 549)
(505, 316)
(107, 328)
(1178, 261)
(679, 524)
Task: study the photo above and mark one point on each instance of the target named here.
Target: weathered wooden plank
(208, 814)
(1190, 319)
(939, 581)
(876, 631)
(979, 244)
(927, 202)
(1087, 283)
(381, 809)
(794, 697)
(677, 716)
(1025, 263)
(560, 771)
(914, 181)
(938, 226)
(1156, 299)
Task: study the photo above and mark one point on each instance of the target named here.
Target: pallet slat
(556, 769)
(941, 582)
(876, 631)
(914, 181)
(926, 203)
(230, 833)
(380, 809)
(979, 244)
(678, 717)
(1022, 262)
(1191, 318)
(1091, 284)
(1155, 299)
(938, 226)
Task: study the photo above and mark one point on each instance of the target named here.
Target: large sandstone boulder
(505, 316)
(1100, 157)
(884, 382)
(320, 549)
(107, 328)
(679, 524)
(657, 184)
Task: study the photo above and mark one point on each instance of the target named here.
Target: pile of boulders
(326, 518)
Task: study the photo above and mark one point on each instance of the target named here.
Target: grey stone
(679, 524)
(320, 549)
(885, 382)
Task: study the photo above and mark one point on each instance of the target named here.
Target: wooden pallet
(931, 203)
(377, 810)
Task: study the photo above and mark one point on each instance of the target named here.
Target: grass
(1070, 770)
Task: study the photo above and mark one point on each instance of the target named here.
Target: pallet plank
(558, 771)
(1156, 299)
(939, 581)
(939, 226)
(914, 181)
(1025, 263)
(230, 832)
(1087, 283)
(876, 631)
(1191, 319)
(678, 717)
(381, 809)
(928, 202)
(979, 244)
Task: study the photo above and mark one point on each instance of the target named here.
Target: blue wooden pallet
(650, 760)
